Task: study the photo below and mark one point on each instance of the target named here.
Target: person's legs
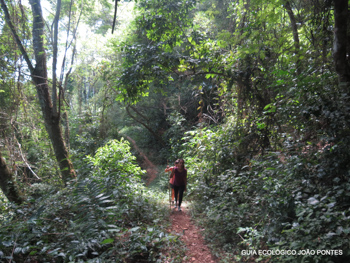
(181, 192)
(176, 191)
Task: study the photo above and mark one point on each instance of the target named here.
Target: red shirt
(180, 177)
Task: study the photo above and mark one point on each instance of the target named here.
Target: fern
(91, 224)
(89, 221)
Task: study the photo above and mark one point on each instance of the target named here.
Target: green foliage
(295, 197)
(162, 20)
(38, 190)
(115, 162)
(271, 171)
(106, 216)
(168, 26)
(175, 133)
(4, 206)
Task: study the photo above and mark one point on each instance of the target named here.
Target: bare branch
(16, 37)
(54, 60)
(159, 138)
(115, 14)
(20, 151)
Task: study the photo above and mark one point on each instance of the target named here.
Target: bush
(108, 216)
(297, 199)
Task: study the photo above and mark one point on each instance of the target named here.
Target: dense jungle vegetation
(253, 94)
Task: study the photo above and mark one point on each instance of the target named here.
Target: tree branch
(340, 41)
(16, 37)
(54, 59)
(115, 14)
(24, 160)
(144, 124)
(295, 34)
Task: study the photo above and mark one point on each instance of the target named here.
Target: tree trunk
(7, 183)
(340, 42)
(39, 77)
(54, 59)
(66, 129)
(293, 23)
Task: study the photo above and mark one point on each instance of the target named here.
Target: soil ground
(147, 165)
(197, 250)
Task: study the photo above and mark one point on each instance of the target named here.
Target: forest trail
(197, 251)
(150, 168)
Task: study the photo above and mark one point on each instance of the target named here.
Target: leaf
(107, 241)
(134, 229)
(313, 201)
(17, 250)
(36, 215)
(330, 234)
(207, 76)
(331, 205)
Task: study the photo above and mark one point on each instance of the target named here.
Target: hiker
(180, 182)
(171, 181)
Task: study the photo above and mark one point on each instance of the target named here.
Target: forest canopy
(253, 95)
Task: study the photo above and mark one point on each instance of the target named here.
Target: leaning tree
(48, 96)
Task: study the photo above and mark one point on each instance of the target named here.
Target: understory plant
(107, 216)
(295, 197)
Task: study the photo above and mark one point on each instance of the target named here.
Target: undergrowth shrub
(115, 164)
(108, 216)
(294, 199)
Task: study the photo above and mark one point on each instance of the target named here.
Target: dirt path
(150, 168)
(197, 251)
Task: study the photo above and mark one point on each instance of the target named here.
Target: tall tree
(340, 41)
(39, 77)
(294, 26)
